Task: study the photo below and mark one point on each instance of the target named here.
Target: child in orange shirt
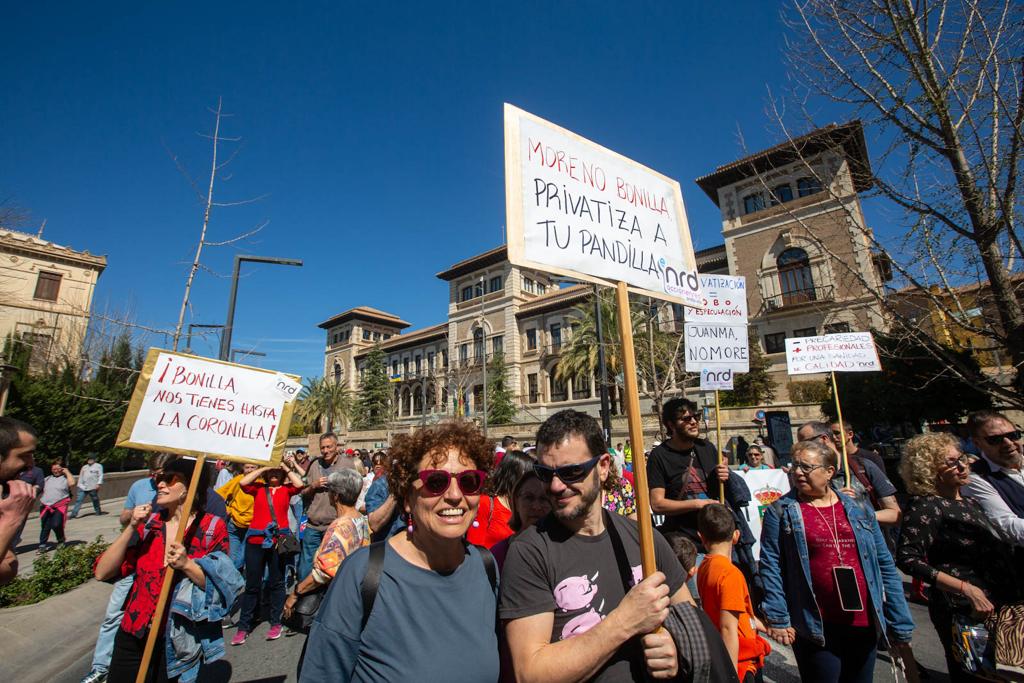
(724, 594)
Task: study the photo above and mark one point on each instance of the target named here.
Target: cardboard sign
(844, 352)
(716, 378)
(766, 487)
(724, 302)
(581, 210)
(198, 406)
(719, 346)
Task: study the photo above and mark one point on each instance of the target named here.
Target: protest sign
(843, 352)
(197, 406)
(716, 378)
(724, 300)
(578, 209)
(710, 344)
(766, 487)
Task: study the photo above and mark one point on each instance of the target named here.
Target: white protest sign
(842, 352)
(198, 406)
(578, 209)
(716, 378)
(766, 487)
(724, 302)
(708, 344)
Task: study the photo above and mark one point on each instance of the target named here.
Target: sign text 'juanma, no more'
(582, 210)
(842, 352)
(197, 406)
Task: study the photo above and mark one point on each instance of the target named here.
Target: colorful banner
(766, 487)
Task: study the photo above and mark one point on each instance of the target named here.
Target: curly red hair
(409, 450)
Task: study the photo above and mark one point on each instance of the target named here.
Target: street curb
(38, 642)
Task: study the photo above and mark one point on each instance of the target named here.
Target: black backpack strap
(371, 580)
(633, 647)
(490, 566)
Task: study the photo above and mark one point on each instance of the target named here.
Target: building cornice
(367, 314)
(488, 258)
(39, 248)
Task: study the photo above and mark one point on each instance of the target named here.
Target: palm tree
(579, 355)
(323, 401)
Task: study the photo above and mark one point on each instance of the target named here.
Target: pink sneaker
(240, 637)
(275, 632)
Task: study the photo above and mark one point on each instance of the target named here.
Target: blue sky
(374, 129)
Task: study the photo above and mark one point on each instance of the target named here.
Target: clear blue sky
(375, 129)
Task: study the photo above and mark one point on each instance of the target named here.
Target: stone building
(46, 295)
(792, 225)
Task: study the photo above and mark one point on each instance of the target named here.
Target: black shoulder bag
(285, 545)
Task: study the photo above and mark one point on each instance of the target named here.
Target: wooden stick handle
(718, 445)
(636, 432)
(842, 428)
(165, 587)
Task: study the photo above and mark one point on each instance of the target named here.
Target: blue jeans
(94, 495)
(263, 568)
(310, 544)
(236, 537)
(111, 623)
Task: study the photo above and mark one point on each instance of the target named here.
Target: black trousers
(256, 559)
(127, 657)
(51, 520)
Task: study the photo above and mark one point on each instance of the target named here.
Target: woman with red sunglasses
(434, 605)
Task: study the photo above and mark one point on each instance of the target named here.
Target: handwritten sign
(190, 405)
(716, 378)
(581, 210)
(711, 345)
(724, 300)
(843, 352)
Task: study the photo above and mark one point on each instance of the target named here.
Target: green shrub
(53, 574)
(809, 392)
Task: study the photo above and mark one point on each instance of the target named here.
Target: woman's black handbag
(305, 610)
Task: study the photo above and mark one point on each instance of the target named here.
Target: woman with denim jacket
(831, 586)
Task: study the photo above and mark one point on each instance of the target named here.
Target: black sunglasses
(997, 439)
(436, 482)
(567, 474)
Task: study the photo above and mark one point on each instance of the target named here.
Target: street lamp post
(192, 326)
(225, 340)
(483, 340)
(245, 353)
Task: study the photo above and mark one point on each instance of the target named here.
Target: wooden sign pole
(636, 432)
(165, 588)
(718, 445)
(842, 428)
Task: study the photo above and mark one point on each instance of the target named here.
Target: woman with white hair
(346, 534)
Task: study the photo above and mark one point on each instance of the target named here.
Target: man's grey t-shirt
(320, 511)
(550, 569)
(54, 489)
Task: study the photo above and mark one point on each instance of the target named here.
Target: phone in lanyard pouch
(849, 592)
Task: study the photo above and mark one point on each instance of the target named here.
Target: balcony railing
(800, 297)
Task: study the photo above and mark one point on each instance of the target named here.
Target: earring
(410, 527)
(476, 523)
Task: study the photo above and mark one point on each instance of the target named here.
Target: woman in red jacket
(266, 485)
(492, 518)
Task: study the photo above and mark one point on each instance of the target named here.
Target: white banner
(843, 352)
(716, 378)
(719, 346)
(579, 209)
(766, 487)
(191, 405)
(725, 301)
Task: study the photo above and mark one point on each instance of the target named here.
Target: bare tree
(208, 206)
(943, 83)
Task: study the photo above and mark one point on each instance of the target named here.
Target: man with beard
(17, 451)
(567, 613)
(997, 481)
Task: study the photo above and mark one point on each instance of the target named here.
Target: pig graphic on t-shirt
(578, 593)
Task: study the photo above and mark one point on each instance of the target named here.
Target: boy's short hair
(716, 523)
(684, 548)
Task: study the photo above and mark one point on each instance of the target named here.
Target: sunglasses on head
(997, 439)
(436, 482)
(567, 474)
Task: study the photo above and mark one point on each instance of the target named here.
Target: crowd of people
(447, 554)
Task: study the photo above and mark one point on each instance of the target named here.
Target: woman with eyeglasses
(143, 549)
(948, 541)
(421, 603)
(831, 586)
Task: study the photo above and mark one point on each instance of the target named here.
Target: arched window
(478, 343)
(417, 401)
(795, 278)
(404, 407)
(337, 373)
(807, 186)
(753, 202)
